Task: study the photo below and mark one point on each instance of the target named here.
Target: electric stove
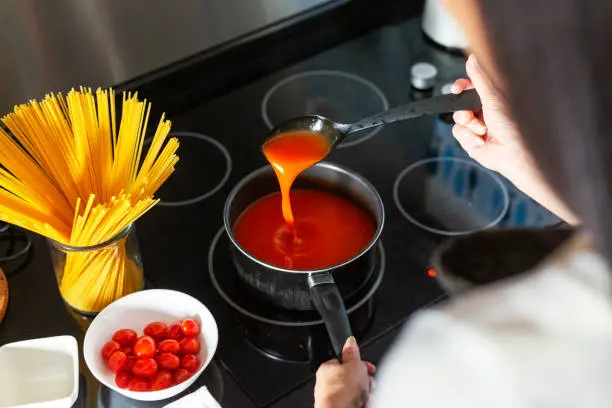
(430, 188)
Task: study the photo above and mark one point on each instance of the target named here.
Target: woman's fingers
(463, 117)
(487, 92)
(371, 367)
(469, 120)
(350, 351)
(461, 85)
(328, 364)
(478, 77)
(468, 139)
(477, 126)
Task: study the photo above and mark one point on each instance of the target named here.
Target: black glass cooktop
(431, 190)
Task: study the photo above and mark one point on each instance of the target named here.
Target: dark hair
(556, 61)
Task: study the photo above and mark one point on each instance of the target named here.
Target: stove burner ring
(496, 179)
(228, 299)
(9, 233)
(341, 74)
(215, 189)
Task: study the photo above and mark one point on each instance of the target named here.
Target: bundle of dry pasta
(72, 171)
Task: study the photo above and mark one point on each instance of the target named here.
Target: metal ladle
(335, 132)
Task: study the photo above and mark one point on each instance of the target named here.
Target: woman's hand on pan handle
(345, 385)
(491, 138)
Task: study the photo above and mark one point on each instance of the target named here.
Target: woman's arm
(491, 138)
(529, 180)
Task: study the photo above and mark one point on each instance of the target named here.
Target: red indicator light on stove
(431, 272)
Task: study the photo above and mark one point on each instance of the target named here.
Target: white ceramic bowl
(134, 312)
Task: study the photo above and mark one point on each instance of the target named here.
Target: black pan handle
(466, 100)
(327, 300)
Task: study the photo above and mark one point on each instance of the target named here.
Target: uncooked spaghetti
(73, 171)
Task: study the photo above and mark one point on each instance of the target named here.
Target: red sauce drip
(328, 230)
(290, 154)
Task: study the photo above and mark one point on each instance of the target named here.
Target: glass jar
(90, 278)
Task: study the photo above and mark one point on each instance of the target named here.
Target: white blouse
(543, 340)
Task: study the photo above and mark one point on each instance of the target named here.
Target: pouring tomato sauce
(302, 229)
(289, 155)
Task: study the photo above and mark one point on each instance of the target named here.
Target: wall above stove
(54, 45)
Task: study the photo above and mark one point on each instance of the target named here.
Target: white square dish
(39, 373)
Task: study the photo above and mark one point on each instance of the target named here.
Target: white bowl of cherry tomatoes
(151, 345)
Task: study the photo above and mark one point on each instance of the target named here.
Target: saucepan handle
(326, 298)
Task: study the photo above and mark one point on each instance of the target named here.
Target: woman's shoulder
(495, 344)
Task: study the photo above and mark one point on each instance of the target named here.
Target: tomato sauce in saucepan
(307, 229)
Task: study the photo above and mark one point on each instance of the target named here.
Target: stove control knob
(423, 75)
(446, 88)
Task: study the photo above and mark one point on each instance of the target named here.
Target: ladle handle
(466, 100)
(326, 298)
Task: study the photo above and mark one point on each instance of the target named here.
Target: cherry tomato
(168, 361)
(117, 361)
(125, 337)
(157, 330)
(161, 381)
(123, 379)
(145, 367)
(175, 332)
(190, 345)
(190, 327)
(169, 346)
(139, 384)
(109, 348)
(128, 351)
(180, 375)
(130, 363)
(145, 347)
(190, 363)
